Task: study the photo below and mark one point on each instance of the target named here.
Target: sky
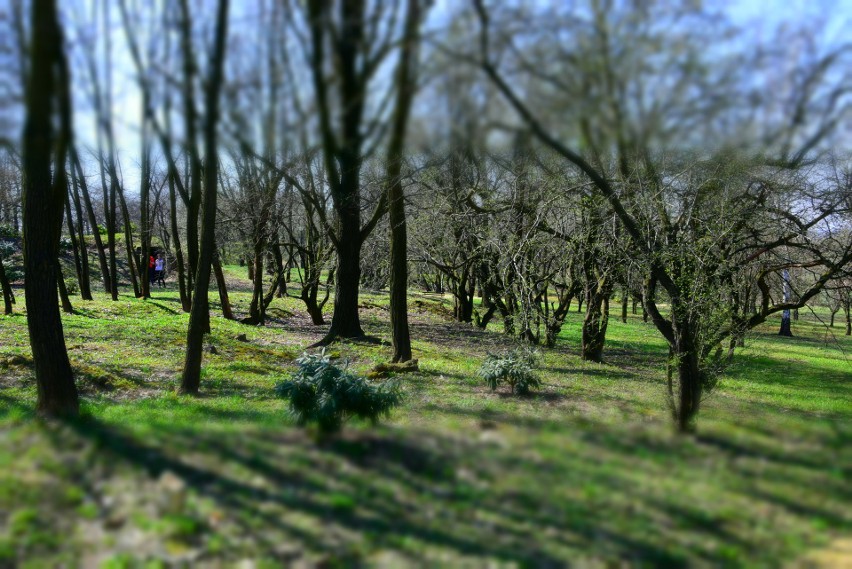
(759, 18)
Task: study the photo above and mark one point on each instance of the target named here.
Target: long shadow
(604, 372)
(298, 477)
(240, 496)
(156, 303)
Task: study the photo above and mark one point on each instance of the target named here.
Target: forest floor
(586, 472)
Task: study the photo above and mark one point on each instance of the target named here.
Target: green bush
(514, 368)
(323, 393)
(71, 286)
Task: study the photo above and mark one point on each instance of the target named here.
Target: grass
(587, 471)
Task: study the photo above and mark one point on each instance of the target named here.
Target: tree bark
(84, 275)
(595, 321)
(75, 247)
(132, 266)
(405, 85)
(199, 317)
(185, 300)
(257, 307)
(63, 290)
(685, 405)
(785, 315)
(90, 211)
(144, 207)
(43, 201)
(8, 298)
(345, 321)
(224, 300)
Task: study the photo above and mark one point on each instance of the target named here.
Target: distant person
(160, 271)
(152, 264)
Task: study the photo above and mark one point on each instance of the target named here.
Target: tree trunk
(199, 317)
(185, 300)
(128, 245)
(8, 297)
(257, 307)
(144, 207)
(224, 300)
(785, 315)
(63, 291)
(595, 322)
(624, 307)
(110, 223)
(405, 85)
(280, 285)
(84, 276)
(345, 321)
(43, 201)
(398, 271)
(90, 211)
(685, 404)
(75, 247)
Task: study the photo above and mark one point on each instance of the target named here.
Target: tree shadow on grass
(415, 491)
(400, 488)
(307, 492)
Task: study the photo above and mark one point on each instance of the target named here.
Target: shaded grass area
(586, 471)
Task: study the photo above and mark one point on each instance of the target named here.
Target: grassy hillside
(586, 472)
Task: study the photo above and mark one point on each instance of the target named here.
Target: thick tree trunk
(345, 320)
(463, 305)
(686, 402)
(624, 307)
(785, 329)
(595, 322)
(43, 201)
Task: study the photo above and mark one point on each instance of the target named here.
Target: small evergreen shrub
(323, 393)
(514, 368)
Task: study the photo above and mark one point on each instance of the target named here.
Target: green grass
(588, 470)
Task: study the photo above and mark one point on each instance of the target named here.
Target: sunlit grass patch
(587, 468)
